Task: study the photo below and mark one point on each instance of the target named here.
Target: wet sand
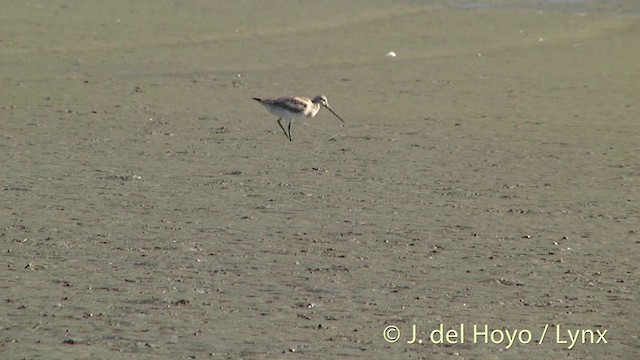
(487, 175)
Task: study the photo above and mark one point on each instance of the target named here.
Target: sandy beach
(481, 200)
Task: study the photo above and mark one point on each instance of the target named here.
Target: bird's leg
(290, 121)
(282, 127)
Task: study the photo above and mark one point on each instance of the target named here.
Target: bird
(295, 107)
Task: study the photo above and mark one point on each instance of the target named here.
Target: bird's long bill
(334, 113)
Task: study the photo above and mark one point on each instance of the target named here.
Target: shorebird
(291, 108)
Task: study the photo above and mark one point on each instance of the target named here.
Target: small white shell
(391, 54)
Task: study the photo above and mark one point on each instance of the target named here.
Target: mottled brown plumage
(295, 107)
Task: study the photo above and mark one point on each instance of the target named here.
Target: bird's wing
(293, 104)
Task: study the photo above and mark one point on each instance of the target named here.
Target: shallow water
(622, 7)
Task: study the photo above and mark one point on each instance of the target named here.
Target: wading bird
(295, 107)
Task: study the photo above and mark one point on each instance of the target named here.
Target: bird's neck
(314, 109)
